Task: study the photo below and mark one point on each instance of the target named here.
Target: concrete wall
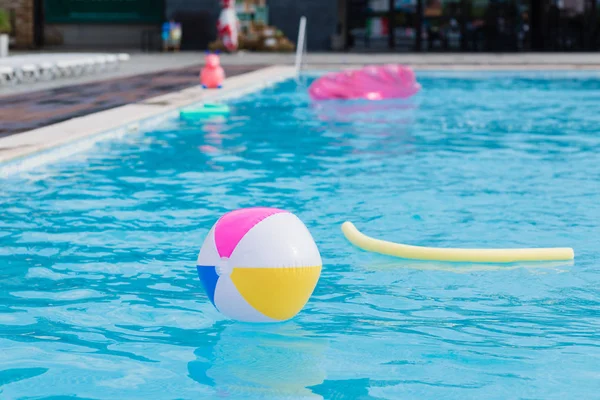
(198, 19)
(98, 36)
(321, 15)
(24, 23)
(172, 6)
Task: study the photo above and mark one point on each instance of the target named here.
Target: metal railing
(300, 46)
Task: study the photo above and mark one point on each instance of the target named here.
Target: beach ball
(259, 265)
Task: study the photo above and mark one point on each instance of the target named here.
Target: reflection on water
(386, 124)
(384, 111)
(383, 263)
(215, 140)
(253, 359)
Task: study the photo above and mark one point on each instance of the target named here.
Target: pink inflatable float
(212, 75)
(374, 82)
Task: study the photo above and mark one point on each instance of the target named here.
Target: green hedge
(4, 21)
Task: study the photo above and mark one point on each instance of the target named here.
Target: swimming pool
(100, 298)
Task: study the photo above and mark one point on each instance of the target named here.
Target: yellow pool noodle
(452, 254)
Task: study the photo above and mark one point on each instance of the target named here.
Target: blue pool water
(99, 296)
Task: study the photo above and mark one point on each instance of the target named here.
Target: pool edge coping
(29, 149)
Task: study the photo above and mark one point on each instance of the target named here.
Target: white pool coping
(27, 150)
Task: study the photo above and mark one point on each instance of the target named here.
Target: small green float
(203, 111)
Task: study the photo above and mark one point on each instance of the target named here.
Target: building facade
(107, 24)
(472, 25)
(352, 25)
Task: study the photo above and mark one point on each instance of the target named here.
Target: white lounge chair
(64, 68)
(112, 61)
(7, 75)
(32, 67)
(48, 71)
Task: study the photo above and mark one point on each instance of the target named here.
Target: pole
(300, 44)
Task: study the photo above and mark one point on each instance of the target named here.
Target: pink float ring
(373, 82)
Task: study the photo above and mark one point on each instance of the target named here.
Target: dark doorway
(566, 25)
(198, 29)
(38, 23)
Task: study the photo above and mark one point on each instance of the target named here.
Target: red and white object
(228, 25)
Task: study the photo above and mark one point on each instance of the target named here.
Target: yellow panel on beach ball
(278, 293)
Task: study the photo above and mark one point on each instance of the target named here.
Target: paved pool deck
(431, 60)
(145, 63)
(22, 112)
